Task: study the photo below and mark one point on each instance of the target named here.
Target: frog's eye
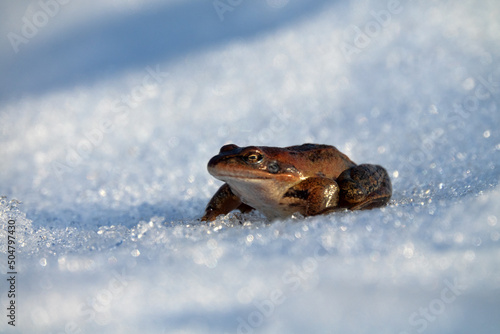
(254, 158)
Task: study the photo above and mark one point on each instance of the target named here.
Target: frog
(279, 182)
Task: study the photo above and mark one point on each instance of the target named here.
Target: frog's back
(319, 160)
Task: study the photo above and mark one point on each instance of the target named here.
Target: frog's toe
(371, 203)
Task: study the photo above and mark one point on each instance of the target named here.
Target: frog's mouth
(240, 175)
(243, 180)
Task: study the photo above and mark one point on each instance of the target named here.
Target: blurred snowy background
(110, 110)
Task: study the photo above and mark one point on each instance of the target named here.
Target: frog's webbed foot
(314, 196)
(223, 202)
(364, 187)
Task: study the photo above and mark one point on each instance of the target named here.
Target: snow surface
(109, 164)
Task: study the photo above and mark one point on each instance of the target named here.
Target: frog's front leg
(364, 187)
(313, 196)
(223, 202)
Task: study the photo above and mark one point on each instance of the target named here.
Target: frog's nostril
(228, 147)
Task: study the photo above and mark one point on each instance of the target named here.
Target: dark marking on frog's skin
(317, 155)
(300, 194)
(313, 152)
(309, 147)
(309, 179)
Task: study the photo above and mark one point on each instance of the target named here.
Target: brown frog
(309, 179)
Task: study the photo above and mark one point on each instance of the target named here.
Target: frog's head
(253, 164)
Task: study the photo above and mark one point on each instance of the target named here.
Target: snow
(108, 118)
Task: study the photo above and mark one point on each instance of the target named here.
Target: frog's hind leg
(313, 196)
(364, 187)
